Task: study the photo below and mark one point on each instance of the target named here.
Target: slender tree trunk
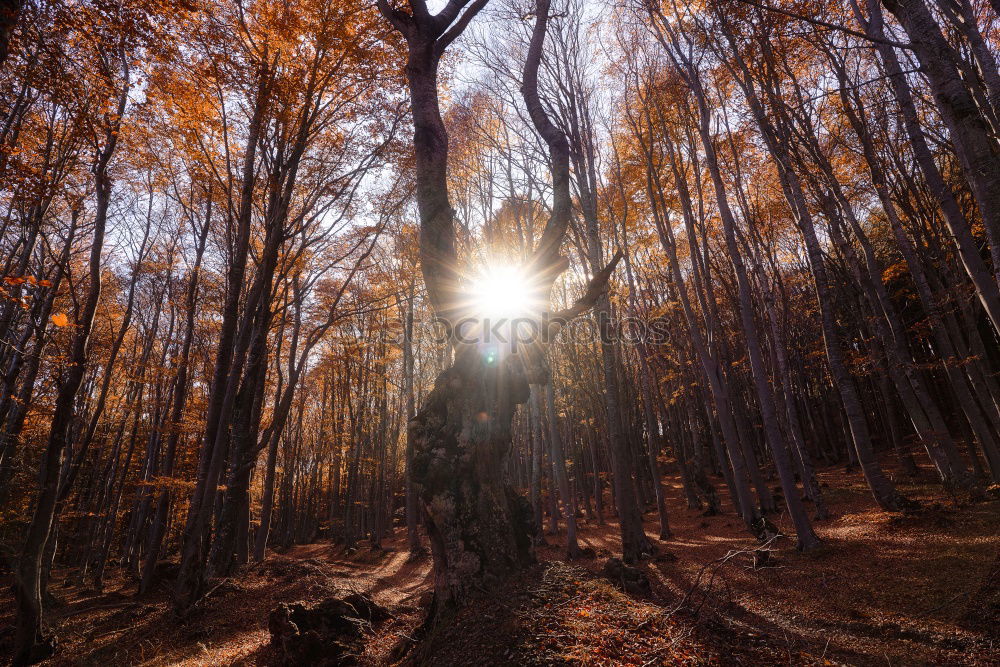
(31, 642)
(975, 145)
(559, 468)
(190, 578)
(775, 138)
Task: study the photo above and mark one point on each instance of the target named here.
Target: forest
(499, 332)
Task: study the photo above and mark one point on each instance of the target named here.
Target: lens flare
(503, 292)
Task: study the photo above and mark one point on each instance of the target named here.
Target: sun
(503, 292)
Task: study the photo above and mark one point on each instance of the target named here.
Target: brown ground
(896, 590)
(885, 589)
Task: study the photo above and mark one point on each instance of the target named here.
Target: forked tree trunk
(460, 438)
(479, 528)
(191, 577)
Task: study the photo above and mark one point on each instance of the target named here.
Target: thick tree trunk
(10, 12)
(479, 527)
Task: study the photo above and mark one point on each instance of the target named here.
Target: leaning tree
(479, 526)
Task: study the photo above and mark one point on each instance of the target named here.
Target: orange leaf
(60, 320)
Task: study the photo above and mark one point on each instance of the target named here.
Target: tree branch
(399, 19)
(546, 264)
(826, 24)
(595, 288)
(454, 31)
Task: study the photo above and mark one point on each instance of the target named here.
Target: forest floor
(922, 588)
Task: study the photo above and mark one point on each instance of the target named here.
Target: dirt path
(389, 576)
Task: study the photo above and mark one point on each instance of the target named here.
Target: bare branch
(826, 24)
(460, 25)
(595, 288)
(546, 255)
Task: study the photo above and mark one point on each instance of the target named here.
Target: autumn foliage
(224, 248)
